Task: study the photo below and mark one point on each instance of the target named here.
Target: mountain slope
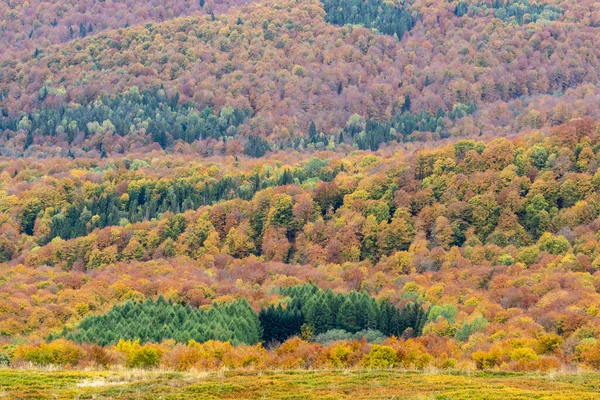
(27, 25)
(289, 68)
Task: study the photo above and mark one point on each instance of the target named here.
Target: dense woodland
(514, 11)
(301, 80)
(27, 25)
(496, 240)
(386, 17)
(163, 119)
(300, 184)
(311, 312)
(151, 321)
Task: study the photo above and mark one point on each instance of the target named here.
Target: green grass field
(36, 384)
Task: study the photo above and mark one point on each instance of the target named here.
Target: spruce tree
(346, 317)
(406, 106)
(312, 132)
(321, 316)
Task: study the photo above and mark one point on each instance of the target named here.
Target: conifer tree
(346, 317)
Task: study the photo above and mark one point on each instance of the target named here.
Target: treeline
(152, 111)
(295, 353)
(311, 311)
(155, 321)
(319, 311)
(519, 11)
(388, 18)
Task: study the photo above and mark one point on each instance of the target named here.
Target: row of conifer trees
(307, 310)
(155, 321)
(320, 311)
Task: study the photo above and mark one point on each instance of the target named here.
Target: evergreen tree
(28, 139)
(320, 318)
(159, 320)
(346, 317)
(312, 132)
(406, 106)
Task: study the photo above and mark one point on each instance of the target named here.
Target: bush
(297, 353)
(182, 357)
(245, 356)
(549, 343)
(146, 357)
(523, 354)
(4, 360)
(370, 335)
(589, 351)
(486, 360)
(339, 335)
(525, 359)
(138, 356)
(332, 335)
(59, 352)
(338, 355)
(381, 357)
(100, 356)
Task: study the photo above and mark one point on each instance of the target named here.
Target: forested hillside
(304, 78)
(300, 184)
(496, 241)
(27, 25)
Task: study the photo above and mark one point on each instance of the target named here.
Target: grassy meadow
(348, 384)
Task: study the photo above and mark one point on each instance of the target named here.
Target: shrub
(146, 357)
(297, 353)
(4, 359)
(523, 354)
(100, 356)
(338, 355)
(381, 357)
(549, 343)
(486, 359)
(524, 359)
(138, 356)
(246, 356)
(332, 335)
(446, 363)
(370, 335)
(59, 352)
(182, 357)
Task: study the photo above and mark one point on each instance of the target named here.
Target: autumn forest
(199, 185)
